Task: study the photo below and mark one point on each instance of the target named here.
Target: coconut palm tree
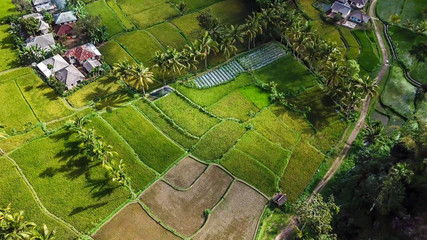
(205, 46)
(372, 132)
(122, 70)
(118, 174)
(228, 47)
(160, 62)
(252, 28)
(368, 86)
(235, 33)
(13, 225)
(174, 61)
(45, 234)
(331, 72)
(141, 77)
(188, 58)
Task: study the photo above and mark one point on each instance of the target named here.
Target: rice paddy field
(404, 40)
(231, 132)
(200, 150)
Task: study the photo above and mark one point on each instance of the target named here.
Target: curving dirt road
(287, 232)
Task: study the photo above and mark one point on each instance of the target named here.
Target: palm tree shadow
(114, 101)
(82, 209)
(100, 186)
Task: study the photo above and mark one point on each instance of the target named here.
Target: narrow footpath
(287, 232)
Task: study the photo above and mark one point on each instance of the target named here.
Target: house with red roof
(79, 55)
(64, 30)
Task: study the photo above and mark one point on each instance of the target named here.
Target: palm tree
(235, 33)
(160, 62)
(372, 132)
(45, 234)
(58, 49)
(205, 46)
(252, 28)
(331, 72)
(122, 70)
(369, 86)
(141, 76)
(118, 174)
(227, 47)
(13, 225)
(174, 61)
(188, 58)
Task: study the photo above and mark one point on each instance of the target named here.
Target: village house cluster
(350, 11)
(76, 62)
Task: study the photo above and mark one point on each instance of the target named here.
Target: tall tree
(315, 217)
(141, 77)
(206, 46)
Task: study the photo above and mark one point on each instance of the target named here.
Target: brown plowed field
(185, 173)
(184, 210)
(131, 223)
(236, 217)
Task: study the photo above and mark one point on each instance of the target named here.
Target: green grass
(168, 35)
(231, 11)
(9, 56)
(196, 4)
(322, 111)
(14, 191)
(114, 101)
(114, 53)
(289, 74)
(368, 58)
(14, 142)
(301, 167)
(207, 97)
(218, 140)
(399, 94)
(421, 112)
(141, 45)
(189, 25)
(329, 32)
(147, 13)
(123, 18)
(385, 8)
(275, 130)
(256, 95)
(328, 137)
(68, 184)
(271, 155)
(139, 173)
(59, 124)
(15, 114)
(166, 127)
(93, 91)
(44, 101)
(307, 7)
(152, 147)
(293, 119)
(413, 10)
(353, 45)
(109, 19)
(403, 41)
(234, 105)
(6, 8)
(12, 74)
(186, 116)
(248, 169)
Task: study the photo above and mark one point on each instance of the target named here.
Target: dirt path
(287, 232)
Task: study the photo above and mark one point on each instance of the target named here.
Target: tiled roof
(83, 52)
(65, 17)
(70, 76)
(57, 63)
(90, 64)
(44, 41)
(362, 2)
(360, 16)
(63, 29)
(344, 9)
